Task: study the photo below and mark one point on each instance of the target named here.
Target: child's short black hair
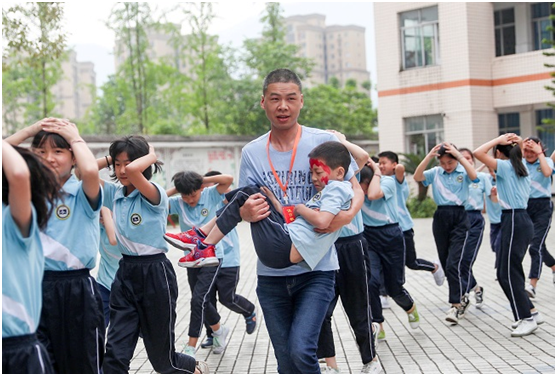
(136, 147)
(281, 75)
(366, 174)
(443, 151)
(391, 156)
(187, 182)
(212, 173)
(333, 153)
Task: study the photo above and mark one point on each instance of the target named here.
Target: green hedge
(421, 209)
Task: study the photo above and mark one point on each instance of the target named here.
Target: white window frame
(436, 55)
(439, 132)
(499, 29)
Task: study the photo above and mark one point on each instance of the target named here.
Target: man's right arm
(255, 208)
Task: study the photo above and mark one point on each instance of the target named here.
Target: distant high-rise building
(75, 91)
(338, 51)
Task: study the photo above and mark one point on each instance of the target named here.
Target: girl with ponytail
(517, 230)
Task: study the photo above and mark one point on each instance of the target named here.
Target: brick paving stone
(481, 343)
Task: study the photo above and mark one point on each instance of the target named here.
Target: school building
(463, 73)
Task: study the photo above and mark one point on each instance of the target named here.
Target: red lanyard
(285, 186)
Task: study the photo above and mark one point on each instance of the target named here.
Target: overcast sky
(236, 21)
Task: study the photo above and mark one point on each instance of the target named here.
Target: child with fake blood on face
(287, 236)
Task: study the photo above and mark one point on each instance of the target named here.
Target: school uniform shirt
(205, 210)
(255, 169)
(448, 189)
(476, 192)
(71, 238)
(384, 210)
(493, 208)
(231, 250)
(513, 191)
(140, 225)
(110, 254)
(355, 227)
(540, 185)
(402, 193)
(22, 276)
(336, 196)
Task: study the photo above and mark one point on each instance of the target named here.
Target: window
(546, 132)
(505, 39)
(423, 133)
(509, 123)
(540, 23)
(419, 30)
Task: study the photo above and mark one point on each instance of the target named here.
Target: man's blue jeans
(294, 308)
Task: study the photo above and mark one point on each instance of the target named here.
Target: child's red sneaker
(184, 240)
(199, 258)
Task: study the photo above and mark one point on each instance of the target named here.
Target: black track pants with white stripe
(143, 297)
(351, 284)
(72, 322)
(516, 233)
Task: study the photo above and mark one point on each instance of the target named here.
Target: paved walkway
(481, 343)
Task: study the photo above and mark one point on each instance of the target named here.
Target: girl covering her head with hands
(450, 181)
(513, 189)
(144, 291)
(72, 325)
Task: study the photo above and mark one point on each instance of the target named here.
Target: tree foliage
(130, 22)
(208, 74)
(31, 63)
(201, 86)
(344, 109)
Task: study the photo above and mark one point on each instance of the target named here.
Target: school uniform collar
(71, 186)
(459, 169)
(120, 193)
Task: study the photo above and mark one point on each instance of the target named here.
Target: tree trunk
(45, 90)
